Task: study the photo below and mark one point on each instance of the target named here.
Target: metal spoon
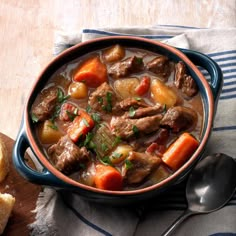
(210, 186)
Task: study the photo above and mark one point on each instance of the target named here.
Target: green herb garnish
(88, 138)
(164, 108)
(53, 126)
(117, 141)
(128, 164)
(138, 98)
(116, 155)
(60, 96)
(85, 122)
(135, 130)
(100, 100)
(139, 60)
(105, 160)
(96, 117)
(34, 118)
(104, 147)
(88, 109)
(56, 113)
(70, 115)
(131, 112)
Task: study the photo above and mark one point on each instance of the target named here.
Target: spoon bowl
(210, 186)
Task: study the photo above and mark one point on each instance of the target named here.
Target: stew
(119, 118)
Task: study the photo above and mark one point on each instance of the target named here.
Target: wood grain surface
(27, 35)
(27, 29)
(26, 195)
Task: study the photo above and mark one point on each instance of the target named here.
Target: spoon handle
(177, 222)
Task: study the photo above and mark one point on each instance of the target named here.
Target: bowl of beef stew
(118, 119)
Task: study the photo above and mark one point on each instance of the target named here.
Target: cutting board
(26, 195)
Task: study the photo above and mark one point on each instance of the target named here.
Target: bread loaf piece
(7, 202)
(4, 163)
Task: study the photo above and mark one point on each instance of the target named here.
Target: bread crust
(7, 202)
(4, 162)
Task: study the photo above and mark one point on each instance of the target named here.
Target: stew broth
(112, 119)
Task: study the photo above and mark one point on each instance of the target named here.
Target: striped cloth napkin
(68, 214)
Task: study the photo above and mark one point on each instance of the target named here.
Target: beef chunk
(126, 67)
(127, 128)
(179, 118)
(43, 108)
(160, 66)
(103, 99)
(183, 81)
(125, 105)
(146, 111)
(68, 157)
(141, 165)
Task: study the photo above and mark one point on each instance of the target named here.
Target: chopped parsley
(85, 122)
(105, 160)
(34, 118)
(138, 98)
(100, 100)
(131, 112)
(56, 113)
(116, 141)
(104, 147)
(128, 164)
(108, 106)
(71, 115)
(116, 155)
(96, 117)
(139, 60)
(53, 126)
(88, 109)
(60, 96)
(164, 108)
(88, 138)
(135, 130)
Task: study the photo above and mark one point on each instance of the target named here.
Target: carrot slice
(108, 178)
(92, 72)
(180, 151)
(81, 125)
(144, 86)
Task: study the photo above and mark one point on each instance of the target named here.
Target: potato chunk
(120, 153)
(48, 133)
(78, 90)
(163, 94)
(114, 53)
(126, 87)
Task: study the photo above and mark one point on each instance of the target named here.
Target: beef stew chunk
(126, 127)
(140, 166)
(160, 66)
(183, 81)
(67, 157)
(179, 118)
(125, 130)
(126, 67)
(45, 105)
(103, 99)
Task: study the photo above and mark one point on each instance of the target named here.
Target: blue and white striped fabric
(71, 215)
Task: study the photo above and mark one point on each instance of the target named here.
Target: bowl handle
(42, 178)
(211, 66)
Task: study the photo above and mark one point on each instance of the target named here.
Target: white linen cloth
(70, 215)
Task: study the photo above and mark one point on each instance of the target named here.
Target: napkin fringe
(44, 224)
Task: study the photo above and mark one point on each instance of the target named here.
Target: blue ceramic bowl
(50, 176)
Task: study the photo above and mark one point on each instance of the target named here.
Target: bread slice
(7, 202)
(4, 162)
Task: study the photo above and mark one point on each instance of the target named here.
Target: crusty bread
(4, 163)
(7, 202)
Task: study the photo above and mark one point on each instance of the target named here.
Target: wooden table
(27, 30)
